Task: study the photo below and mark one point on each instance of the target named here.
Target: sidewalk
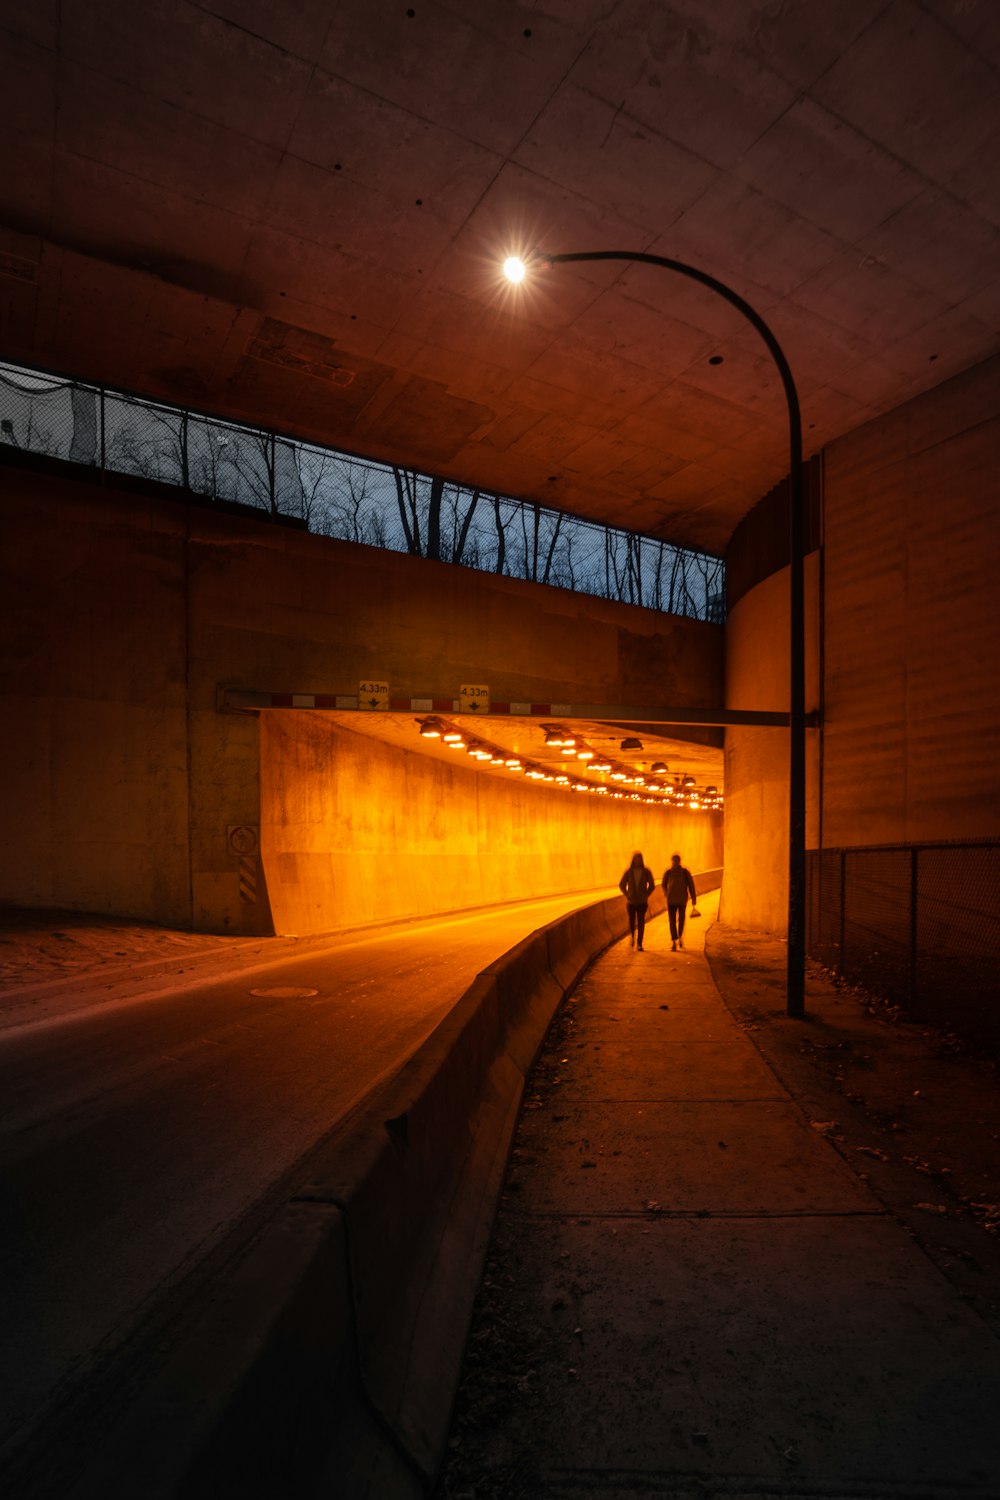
(691, 1294)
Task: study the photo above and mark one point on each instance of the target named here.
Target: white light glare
(514, 269)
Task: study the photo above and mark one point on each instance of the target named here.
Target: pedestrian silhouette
(636, 885)
(678, 884)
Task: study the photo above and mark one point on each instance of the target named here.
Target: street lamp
(515, 269)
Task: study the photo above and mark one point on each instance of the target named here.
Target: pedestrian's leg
(672, 913)
(631, 924)
(641, 919)
(681, 914)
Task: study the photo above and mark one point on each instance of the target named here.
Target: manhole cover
(285, 992)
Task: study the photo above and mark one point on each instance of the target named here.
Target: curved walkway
(690, 1294)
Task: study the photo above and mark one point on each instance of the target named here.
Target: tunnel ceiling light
(585, 755)
(631, 744)
(554, 738)
(688, 781)
(515, 269)
(601, 765)
(451, 736)
(430, 729)
(659, 768)
(711, 791)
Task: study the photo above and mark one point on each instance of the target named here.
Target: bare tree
(460, 541)
(406, 498)
(501, 535)
(552, 547)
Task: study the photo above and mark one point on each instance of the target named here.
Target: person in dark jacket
(636, 885)
(678, 884)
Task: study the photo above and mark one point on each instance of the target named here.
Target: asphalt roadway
(141, 1133)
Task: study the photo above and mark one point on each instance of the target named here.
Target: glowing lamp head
(515, 269)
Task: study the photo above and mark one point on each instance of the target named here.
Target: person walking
(678, 884)
(636, 885)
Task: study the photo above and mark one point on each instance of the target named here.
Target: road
(138, 1134)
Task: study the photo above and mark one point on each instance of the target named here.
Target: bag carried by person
(694, 912)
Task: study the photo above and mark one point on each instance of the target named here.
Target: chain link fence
(353, 499)
(917, 924)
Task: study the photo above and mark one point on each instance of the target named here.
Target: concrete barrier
(329, 1362)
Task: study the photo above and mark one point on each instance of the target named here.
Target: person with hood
(678, 882)
(636, 885)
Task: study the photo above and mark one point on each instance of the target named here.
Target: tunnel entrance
(364, 819)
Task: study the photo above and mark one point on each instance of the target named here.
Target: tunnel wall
(911, 623)
(359, 832)
(122, 615)
(755, 890)
(903, 651)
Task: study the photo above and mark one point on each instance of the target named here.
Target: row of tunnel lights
(681, 793)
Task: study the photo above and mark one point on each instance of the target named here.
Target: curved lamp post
(515, 269)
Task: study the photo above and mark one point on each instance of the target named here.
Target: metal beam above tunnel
(240, 700)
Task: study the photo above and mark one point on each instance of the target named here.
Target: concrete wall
(908, 641)
(755, 890)
(912, 638)
(94, 755)
(355, 831)
(123, 614)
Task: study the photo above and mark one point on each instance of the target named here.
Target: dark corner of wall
(759, 545)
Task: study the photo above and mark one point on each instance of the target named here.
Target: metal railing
(354, 499)
(917, 924)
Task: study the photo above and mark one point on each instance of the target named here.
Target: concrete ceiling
(525, 738)
(294, 214)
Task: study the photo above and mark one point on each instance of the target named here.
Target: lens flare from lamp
(514, 269)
